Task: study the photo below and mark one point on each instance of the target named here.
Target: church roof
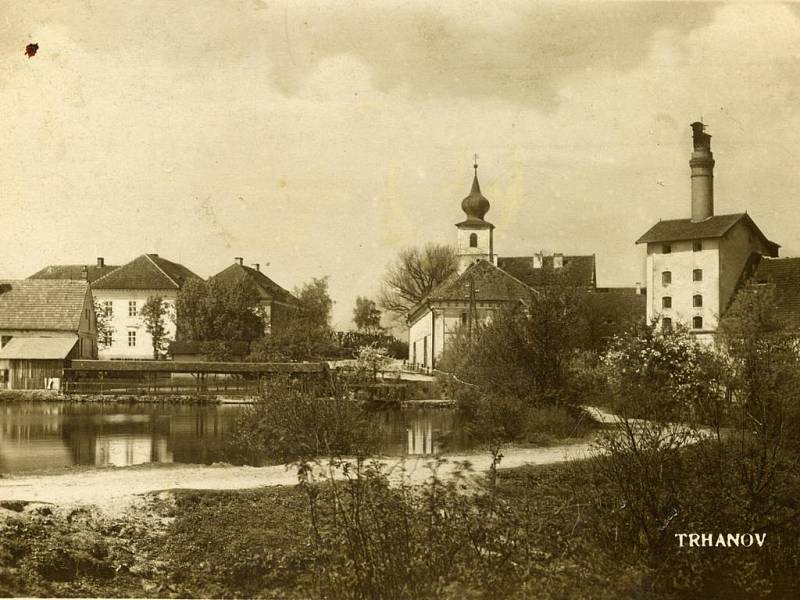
(491, 283)
(147, 272)
(676, 230)
(784, 275)
(576, 270)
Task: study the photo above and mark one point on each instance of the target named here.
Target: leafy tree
(306, 332)
(413, 275)
(366, 315)
(102, 323)
(211, 311)
(154, 315)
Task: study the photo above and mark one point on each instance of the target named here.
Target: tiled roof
(147, 272)
(42, 304)
(618, 308)
(75, 272)
(576, 270)
(676, 230)
(267, 289)
(53, 348)
(784, 275)
(491, 285)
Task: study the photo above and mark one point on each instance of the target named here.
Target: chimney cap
(239, 260)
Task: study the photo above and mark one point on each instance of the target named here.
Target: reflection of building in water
(121, 451)
(420, 438)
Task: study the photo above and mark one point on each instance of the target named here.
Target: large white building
(123, 292)
(695, 266)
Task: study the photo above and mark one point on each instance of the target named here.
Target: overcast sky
(321, 138)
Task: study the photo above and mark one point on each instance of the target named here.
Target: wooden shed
(36, 363)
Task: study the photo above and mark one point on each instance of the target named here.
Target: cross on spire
(475, 164)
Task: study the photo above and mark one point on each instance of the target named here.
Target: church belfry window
(473, 240)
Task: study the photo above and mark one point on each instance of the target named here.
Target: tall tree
(366, 315)
(154, 317)
(413, 275)
(219, 311)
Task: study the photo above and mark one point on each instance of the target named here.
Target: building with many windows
(122, 293)
(695, 266)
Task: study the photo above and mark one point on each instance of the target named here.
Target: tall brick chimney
(702, 165)
(101, 261)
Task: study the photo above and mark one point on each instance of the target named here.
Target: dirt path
(116, 489)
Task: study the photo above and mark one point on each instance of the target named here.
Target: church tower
(475, 235)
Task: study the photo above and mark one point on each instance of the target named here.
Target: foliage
(154, 316)
(350, 341)
(214, 310)
(306, 332)
(289, 423)
(366, 315)
(103, 323)
(414, 274)
(370, 360)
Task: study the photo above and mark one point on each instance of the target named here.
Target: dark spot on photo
(30, 50)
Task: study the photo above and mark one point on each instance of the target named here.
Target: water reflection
(36, 435)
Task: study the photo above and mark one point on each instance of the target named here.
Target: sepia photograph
(400, 299)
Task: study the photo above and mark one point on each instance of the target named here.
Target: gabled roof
(491, 285)
(147, 272)
(676, 230)
(784, 275)
(42, 304)
(75, 272)
(44, 348)
(267, 289)
(576, 270)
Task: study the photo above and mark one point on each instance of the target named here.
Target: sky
(322, 138)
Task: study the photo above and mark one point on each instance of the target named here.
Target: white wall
(122, 323)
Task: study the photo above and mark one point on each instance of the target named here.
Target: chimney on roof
(702, 165)
(239, 260)
(558, 260)
(257, 267)
(538, 259)
(85, 273)
(638, 288)
(101, 262)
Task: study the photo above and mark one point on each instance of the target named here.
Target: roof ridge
(150, 258)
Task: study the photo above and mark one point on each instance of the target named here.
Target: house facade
(44, 324)
(695, 266)
(123, 292)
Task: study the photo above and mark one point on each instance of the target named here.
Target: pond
(48, 435)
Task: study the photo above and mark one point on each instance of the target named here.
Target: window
(473, 240)
(697, 322)
(666, 249)
(108, 308)
(666, 277)
(697, 275)
(666, 302)
(697, 301)
(132, 312)
(697, 246)
(666, 324)
(108, 339)
(131, 339)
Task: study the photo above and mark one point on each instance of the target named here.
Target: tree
(212, 311)
(102, 322)
(306, 333)
(414, 274)
(154, 318)
(366, 315)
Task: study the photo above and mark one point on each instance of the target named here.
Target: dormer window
(473, 240)
(666, 249)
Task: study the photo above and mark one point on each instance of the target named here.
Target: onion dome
(475, 205)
